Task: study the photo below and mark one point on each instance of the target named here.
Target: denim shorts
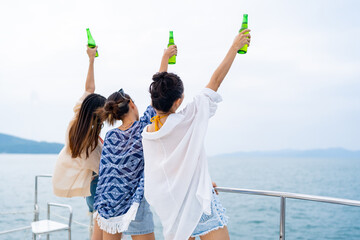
(143, 222)
(90, 199)
(217, 219)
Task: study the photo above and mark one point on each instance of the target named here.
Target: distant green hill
(312, 153)
(11, 144)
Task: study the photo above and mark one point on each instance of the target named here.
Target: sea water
(251, 217)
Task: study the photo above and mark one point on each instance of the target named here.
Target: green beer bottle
(244, 25)
(172, 60)
(91, 41)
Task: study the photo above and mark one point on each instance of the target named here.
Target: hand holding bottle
(91, 52)
(218, 76)
(91, 41)
(170, 51)
(172, 59)
(241, 39)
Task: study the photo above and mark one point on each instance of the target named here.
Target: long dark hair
(165, 89)
(85, 130)
(116, 106)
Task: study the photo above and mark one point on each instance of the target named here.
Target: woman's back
(177, 182)
(120, 189)
(72, 176)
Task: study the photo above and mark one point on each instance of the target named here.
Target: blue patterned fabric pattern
(121, 172)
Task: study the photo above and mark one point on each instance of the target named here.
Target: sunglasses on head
(122, 93)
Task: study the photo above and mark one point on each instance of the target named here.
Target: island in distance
(16, 145)
(12, 144)
(327, 153)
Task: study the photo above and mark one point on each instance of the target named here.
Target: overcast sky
(297, 87)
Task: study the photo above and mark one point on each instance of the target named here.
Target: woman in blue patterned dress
(119, 200)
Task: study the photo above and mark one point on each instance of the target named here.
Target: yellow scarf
(157, 122)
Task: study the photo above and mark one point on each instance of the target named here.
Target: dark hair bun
(165, 89)
(116, 106)
(109, 106)
(159, 76)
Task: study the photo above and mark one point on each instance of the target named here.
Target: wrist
(234, 48)
(166, 56)
(91, 60)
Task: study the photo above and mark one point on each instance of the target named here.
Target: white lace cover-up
(177, 180)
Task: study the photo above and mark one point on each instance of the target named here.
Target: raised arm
(168, 53)
(218, 76)
(90, 79)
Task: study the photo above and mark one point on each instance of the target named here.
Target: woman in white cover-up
(177, 180)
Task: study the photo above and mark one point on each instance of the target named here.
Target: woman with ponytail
(119, 200)
(77, 166)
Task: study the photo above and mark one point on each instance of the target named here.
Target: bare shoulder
(151, 127)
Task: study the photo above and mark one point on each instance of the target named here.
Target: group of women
(157, 159)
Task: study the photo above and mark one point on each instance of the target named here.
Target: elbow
(90, 89)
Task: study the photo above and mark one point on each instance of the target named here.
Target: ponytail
(116, 106)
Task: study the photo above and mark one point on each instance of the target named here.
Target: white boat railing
(36, 212)
(284, 195)
(36, 206)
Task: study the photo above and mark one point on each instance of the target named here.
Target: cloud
(296, 88)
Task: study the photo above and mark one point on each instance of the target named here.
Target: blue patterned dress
(121, 176)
